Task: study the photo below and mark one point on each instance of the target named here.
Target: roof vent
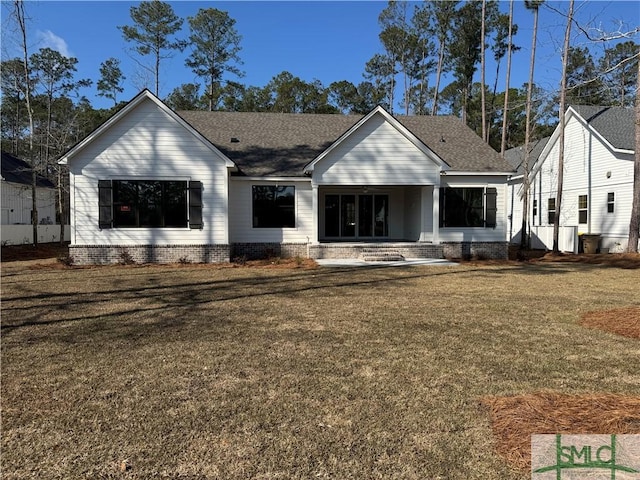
(442, 140)
(235, 140)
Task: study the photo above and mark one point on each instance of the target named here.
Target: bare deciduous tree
(21, 19)
(634, 224)
(561, 126)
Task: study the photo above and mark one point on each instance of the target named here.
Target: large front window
(149, 203)
(467, 207)
(274, 206)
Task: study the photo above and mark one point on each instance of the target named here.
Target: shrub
(125, 257)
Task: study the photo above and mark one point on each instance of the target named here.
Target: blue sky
(328, 41)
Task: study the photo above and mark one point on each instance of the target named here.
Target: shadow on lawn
(159, 296)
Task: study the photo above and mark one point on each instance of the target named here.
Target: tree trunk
(483, 100)
(561, 126)
(158, 73)
(434, 108)
(634, 224)
(505, 110)
(20, 17)
(524, 234)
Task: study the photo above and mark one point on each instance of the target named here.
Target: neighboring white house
(16, 204)
(597, 185)
(516, 157)
(162, 186)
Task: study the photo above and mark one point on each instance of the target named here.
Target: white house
(16, 204)
(516, 157)
(598, 180)
(210, 186)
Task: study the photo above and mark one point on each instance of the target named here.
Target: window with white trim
(468, 207)
(583, 208)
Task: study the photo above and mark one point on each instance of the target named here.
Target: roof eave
(133, 103)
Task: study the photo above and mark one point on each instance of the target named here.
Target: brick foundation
(255, 251)
(111, 254)
(479, 250)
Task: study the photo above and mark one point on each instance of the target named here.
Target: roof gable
(144, 96)
(401, 129)
(615, 125)
(596, 116)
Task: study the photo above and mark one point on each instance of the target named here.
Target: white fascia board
(142, 96)
(270, 179)
(450, 173)
(308, 168)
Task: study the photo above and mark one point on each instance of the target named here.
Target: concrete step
(381, 255)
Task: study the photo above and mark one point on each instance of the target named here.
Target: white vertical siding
(590, 168)
(149, 144)
(241, 207)
(376, 154)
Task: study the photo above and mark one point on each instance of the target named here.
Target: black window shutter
(195, 205)
(492, 207)
(105, 210)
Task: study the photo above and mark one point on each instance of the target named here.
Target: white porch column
(315, 202)
(436, 215)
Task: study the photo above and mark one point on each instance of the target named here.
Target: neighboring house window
(468, 207)
(535, 210)
(582, 209)
(274, 206)
(611, 198)
(551, 210)
(149, 204)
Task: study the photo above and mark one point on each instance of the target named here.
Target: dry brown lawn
(194, 372)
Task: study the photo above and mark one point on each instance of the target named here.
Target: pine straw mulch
(621, 321)
(515, 419)
(616, 260)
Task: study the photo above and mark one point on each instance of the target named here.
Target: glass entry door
(356, 216)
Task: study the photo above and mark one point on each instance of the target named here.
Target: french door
(356, 216)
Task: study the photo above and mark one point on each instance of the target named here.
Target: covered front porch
(376, 215)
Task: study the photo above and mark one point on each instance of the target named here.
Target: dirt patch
(515, 419)
(622, 321)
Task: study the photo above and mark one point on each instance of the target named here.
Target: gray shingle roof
(515, 156)
(615, 124)
(15, 170)
(281, 144)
